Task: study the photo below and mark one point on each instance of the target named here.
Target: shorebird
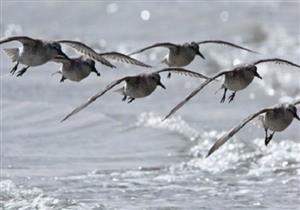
(34, 52)
(75, 69)
(276, 119)
(236, 79)
(183, 54)
(101, 57)
(138, 86)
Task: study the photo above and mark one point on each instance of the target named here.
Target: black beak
(96, 72)
(296, 116)
(257, 75)
(161, 85)
(200, 54)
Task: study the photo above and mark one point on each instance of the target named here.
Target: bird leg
(22, 71)
(169, 75)
(130, 100)
(62, 79)
(124, 98)
(14, 69)
(224, 95)
(96, 72)
(268, 138)
(231, 97)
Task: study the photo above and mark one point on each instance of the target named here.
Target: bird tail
(13, 53)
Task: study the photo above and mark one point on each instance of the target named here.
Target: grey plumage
(103, 57)
(183, 54)
(276, 119)
(236, 79)
(138, 86)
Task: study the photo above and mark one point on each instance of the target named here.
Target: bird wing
(277, 61)
(184, 72)
(234, 130)
(123, 58)
(297, 103)
(225, 43)
(86, 50)
(61, 59)
(22, 39)
(13, 53)
(93, 98)
(180, 104)
(163, 44)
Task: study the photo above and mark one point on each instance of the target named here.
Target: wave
(18, 197)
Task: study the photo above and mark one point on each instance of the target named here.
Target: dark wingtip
(208, 154)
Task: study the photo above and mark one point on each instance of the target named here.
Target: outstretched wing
(123, 58)
(163, 44)
(22, 39)
(184, 72)
(234, 130)
(86, 50)
(297, 103)
(61, 59)
(197, 90)
(93, 98)
(277, 61)
(225, 43)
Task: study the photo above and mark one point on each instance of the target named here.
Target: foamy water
(115, 155)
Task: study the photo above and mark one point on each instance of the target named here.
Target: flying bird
(276, 119)
(33, 52)
(183, 54)
(138, 86)
(102, 57)
(235, 80)
(75, 69)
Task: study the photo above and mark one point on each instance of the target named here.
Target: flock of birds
(36, 52)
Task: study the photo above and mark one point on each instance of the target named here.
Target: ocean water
(115, 155)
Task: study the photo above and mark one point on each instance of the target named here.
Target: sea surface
(115, 155)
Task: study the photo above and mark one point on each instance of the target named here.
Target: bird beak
(161, 85)
(200, 54)
(95, 70)
(296, 116)
(257, 75)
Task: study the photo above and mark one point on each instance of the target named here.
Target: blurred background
(115, 155)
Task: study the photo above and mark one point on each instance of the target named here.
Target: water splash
(175, 124)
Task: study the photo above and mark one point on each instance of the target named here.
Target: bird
(235, 80)
(33, 52)
(181, 55)
(138, 86)
(101, 57)
(276, 119)
(75, 69)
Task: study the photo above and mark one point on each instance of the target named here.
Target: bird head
(56, 48)
(156, 78)
(253, 69)
(293, 110)
(196, 48)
